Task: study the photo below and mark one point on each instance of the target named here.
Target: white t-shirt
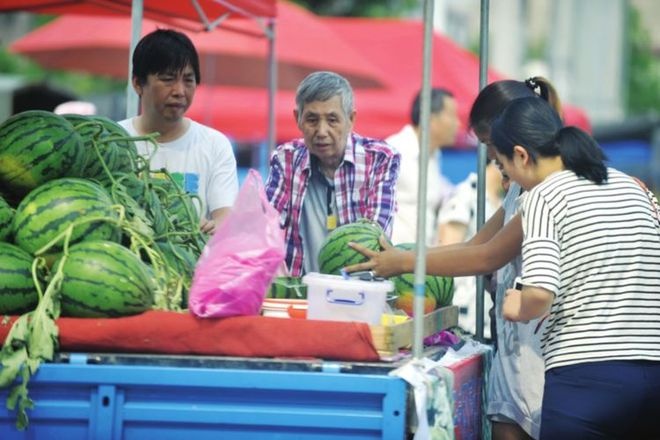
(404, 227)
(201, 161)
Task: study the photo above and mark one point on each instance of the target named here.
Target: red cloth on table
(246, 336)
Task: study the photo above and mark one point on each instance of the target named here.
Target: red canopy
(395, 48)
(203, 12)
(100, 45)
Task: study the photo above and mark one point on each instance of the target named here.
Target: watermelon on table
(440, 287)
(50, 209)
(286, 287)
(335, 253)
(6, 217)
(18, 293)
(103, 279)
(37, 146)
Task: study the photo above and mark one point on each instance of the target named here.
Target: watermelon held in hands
(439, 287)
(335, 253)
(103, 279)
(37, 146)
(18, 293)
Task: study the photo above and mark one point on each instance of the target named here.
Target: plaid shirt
(364, 188)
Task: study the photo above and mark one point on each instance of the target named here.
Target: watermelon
(118, 155)
(18, 293)
(335, 253)
(287, 288)
(103, 279)
(440, 287)
(48, 210)
(37, 146)
(6, 217)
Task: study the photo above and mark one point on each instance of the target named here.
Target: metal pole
(132, 101)
(272, 84)
(481, 160)
(425, 113)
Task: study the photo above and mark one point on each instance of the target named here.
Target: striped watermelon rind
(18, 293)
(103, 279)
(335, 253)
(6, 218)
(37, 146)
(440, 287)
(50, 209)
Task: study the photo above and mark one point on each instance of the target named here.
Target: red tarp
(244, 336)
(167, 11)
(236, 57)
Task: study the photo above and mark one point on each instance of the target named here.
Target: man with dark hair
(331, 176)
(443, 125)
(200, 159)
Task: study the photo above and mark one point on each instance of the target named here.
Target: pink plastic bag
(239, 261)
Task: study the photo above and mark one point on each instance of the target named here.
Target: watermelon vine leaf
(32, 339)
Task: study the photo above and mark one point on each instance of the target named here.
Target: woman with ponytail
(591, 263)
(515, 384)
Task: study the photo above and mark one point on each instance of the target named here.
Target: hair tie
(532, 84)
(538, 87)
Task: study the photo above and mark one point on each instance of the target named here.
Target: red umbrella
(392, 45)
(100, 45)
(202, 12)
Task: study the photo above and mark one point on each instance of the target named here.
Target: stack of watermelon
(74, 191)
(335, 254)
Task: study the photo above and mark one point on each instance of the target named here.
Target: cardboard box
(389, 339)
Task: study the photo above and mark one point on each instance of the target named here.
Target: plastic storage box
(333, 298)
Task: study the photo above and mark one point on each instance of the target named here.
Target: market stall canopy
(202, 14)
(236, 57)
(394, 47)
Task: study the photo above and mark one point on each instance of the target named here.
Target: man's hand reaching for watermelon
(389, 262)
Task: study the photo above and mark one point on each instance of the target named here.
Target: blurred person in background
(443, 126)
(457, 222)
(39, 96)
(200, 159)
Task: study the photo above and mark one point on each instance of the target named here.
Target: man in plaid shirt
(331, 176)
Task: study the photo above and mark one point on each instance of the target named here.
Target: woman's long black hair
(534, 125)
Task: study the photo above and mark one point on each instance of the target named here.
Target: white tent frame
(425, 101)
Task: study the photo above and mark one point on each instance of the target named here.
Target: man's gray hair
(321, 86)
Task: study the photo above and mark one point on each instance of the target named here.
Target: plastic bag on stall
(239, 261)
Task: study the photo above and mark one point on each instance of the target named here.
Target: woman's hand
(389, 262)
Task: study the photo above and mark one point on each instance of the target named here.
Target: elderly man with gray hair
(331, 176)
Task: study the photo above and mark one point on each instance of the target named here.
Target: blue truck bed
(105, 396)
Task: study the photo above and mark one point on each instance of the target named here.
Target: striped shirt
(364, 184)
(597, 248)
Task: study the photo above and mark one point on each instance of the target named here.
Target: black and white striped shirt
(597, 248)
